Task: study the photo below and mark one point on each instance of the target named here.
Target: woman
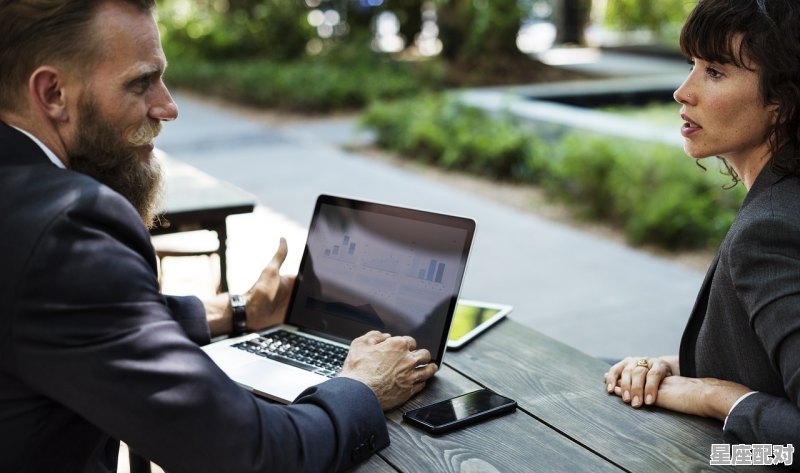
(739, 357)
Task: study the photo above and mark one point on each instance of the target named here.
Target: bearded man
(90, 351)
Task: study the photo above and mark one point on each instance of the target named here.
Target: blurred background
(406, 45)
(551, 122)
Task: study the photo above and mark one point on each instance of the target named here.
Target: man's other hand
(391, 366)
(268, 299)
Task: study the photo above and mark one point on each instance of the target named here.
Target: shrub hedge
(338, 80)
(653, 191)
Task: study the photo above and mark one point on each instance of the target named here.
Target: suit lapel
(689, 339)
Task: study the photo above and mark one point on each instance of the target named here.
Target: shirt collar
(50, 154)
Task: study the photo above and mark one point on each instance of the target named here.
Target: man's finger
(426, 372)
(422, 355)
(280, 254)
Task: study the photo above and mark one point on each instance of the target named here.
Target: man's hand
(268, 299)
(391, 366)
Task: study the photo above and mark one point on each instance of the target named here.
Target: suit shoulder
(40, 201)
(38, 194)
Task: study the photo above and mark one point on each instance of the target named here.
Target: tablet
(471, 318)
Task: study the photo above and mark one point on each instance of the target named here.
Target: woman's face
(724, 114)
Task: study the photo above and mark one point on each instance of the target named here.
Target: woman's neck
(748, 168)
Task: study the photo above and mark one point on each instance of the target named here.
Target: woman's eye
(713, 73)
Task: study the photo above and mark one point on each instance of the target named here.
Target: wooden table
(565, 420)
(198, 201)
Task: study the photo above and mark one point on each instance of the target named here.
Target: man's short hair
(38, 32)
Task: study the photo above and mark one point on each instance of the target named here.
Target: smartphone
(460, 411)
(471, 318)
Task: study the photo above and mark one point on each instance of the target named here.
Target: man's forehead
(128, 39)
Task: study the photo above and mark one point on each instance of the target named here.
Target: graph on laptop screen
(396, 271)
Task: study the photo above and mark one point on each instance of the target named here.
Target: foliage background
(267, 53)
(651, 191)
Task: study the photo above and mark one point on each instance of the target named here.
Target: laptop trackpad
(268, 378)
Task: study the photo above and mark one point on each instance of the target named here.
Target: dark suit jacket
(91, 351)
(745, 326)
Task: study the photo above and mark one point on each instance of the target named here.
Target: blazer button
(358, 453)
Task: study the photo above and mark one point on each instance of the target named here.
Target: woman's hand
(268, 299)
(706, 397)
(637, 379)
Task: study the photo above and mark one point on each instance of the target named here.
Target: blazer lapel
(689, 339)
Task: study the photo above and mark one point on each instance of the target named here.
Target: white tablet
(471, 318)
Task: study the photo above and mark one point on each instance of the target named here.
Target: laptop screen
(369, 266)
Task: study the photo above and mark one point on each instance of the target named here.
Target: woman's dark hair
(770, 38)
(37, 32)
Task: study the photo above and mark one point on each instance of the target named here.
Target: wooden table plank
(192, 191)
(514, 442)
(564, 388)
(375, 464)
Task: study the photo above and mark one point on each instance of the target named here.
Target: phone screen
(459, 411)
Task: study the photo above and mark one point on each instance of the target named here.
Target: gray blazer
(745, 326)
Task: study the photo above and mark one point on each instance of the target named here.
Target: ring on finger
(643, 363)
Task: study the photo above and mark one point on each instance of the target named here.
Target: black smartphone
(460, 411)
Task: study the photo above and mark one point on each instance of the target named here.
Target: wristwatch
(239, 311)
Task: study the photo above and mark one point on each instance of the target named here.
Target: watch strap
(239, 313)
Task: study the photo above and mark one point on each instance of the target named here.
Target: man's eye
(141, 85)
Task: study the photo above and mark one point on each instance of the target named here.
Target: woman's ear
(47, 92)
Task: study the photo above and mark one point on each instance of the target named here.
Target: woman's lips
(689, 127)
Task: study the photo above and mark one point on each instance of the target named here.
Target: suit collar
(765, 179)
(17, 149)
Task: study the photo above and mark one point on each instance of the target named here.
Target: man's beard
(105, 154)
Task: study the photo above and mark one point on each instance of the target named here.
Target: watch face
(237, 302)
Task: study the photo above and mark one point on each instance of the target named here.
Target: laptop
(366, 266)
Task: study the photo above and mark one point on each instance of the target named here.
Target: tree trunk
(571, 17)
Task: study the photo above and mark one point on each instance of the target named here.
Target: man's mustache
(145, 134)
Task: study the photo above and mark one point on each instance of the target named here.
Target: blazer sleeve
(93, 333)
(190, 314)
(765, 270)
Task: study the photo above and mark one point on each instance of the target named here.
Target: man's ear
(47, 92)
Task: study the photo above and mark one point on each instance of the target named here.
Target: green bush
(580, 172)
(653, 191)
(662, 17)
(440, 130)
(213, 30)
(332, 81)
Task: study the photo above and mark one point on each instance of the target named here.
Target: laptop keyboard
(296, 350)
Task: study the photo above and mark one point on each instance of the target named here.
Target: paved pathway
(601, 297)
